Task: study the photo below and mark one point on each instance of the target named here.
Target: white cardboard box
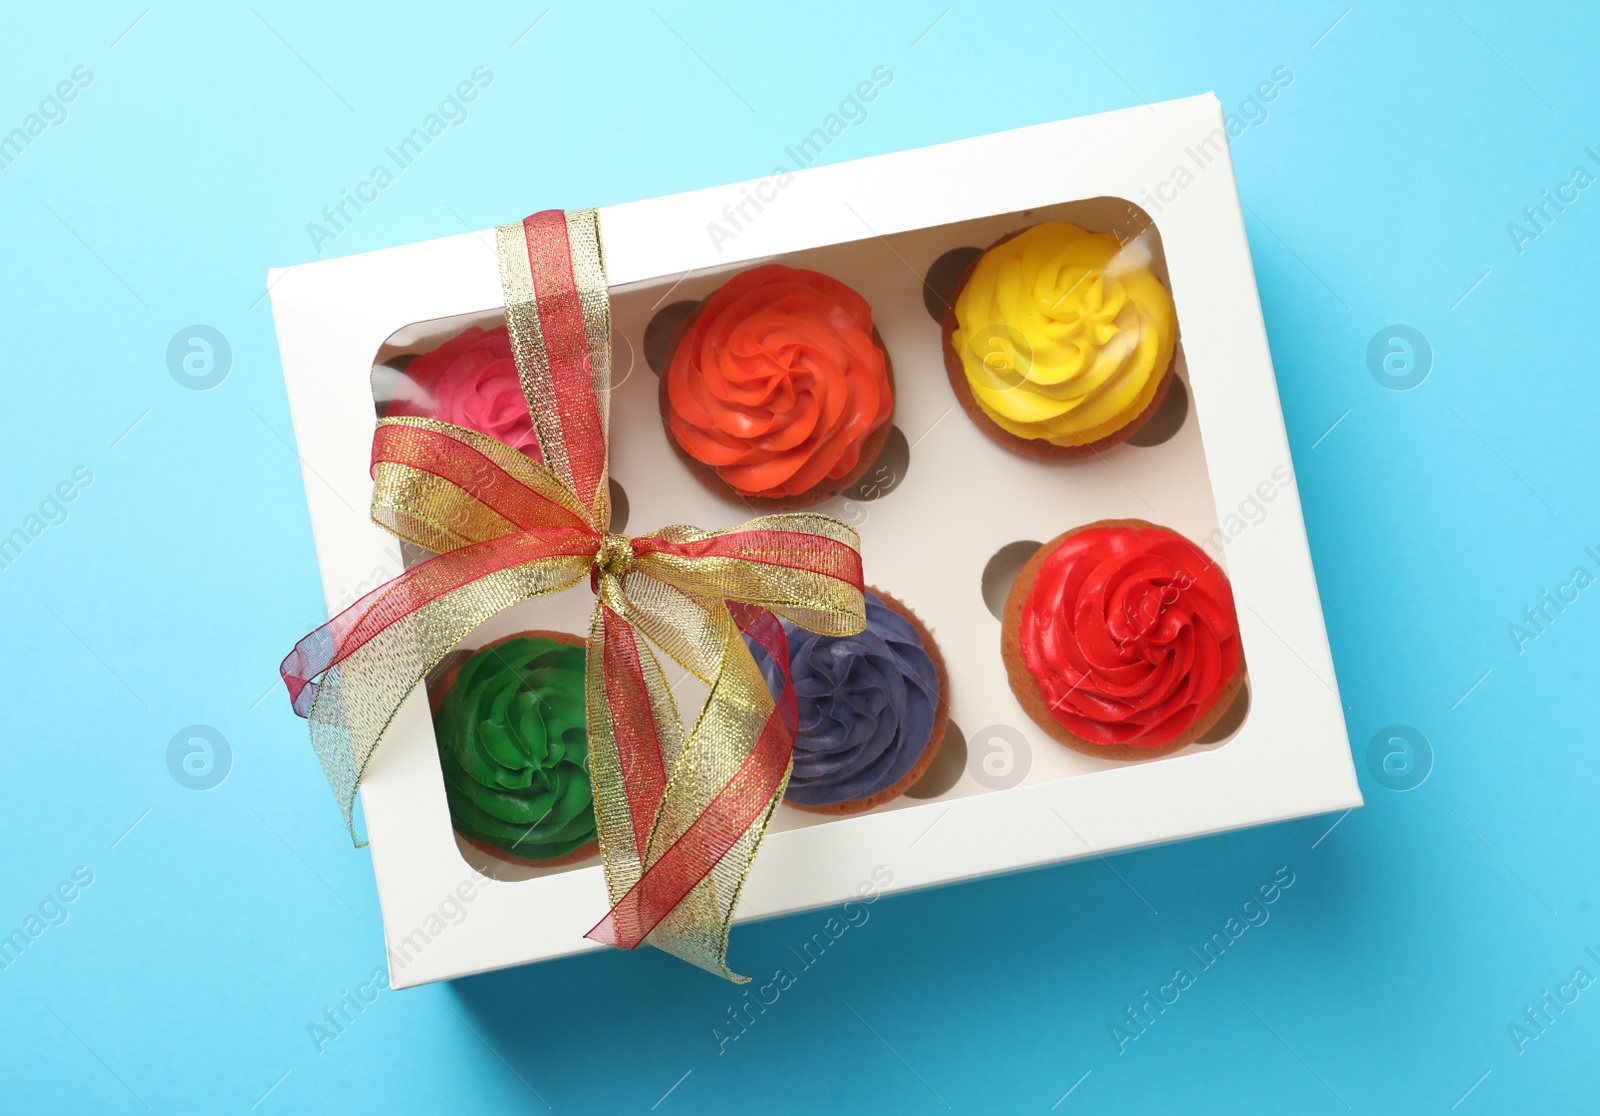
(876, 224)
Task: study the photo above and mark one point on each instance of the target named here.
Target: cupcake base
(577, 855)
(1036, 448)
(707, 475)
(1033, 701)
(436, 698)
(941, 722)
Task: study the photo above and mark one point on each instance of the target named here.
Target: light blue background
(223, 923)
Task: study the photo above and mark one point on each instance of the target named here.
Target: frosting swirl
(514, 748)
(868, 703)
(1064, 335)
(1130, 634)
(778, 384)
(471, 380)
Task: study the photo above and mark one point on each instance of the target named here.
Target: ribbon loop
(804, 567)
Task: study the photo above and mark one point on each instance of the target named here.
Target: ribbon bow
(679, 817)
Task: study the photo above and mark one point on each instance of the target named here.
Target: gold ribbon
(509, 529)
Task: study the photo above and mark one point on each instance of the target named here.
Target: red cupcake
(778, 392)
(1120, 639)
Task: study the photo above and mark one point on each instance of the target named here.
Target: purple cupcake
(873, 709)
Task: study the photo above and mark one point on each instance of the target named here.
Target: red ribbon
(543, 528)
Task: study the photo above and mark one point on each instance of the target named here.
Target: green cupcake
(515, 750)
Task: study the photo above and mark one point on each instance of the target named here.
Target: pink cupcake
(471, 380)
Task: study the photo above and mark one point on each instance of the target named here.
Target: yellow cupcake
(1064, 335)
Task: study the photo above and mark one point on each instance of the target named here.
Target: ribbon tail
(372, 656)
(713, 811)
(635, 736)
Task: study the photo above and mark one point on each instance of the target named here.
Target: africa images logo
(51, 112)
(452, 111)
(736, 216)
(51, 512)
(1538, 617)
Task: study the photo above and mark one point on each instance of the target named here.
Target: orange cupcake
(778, 393)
